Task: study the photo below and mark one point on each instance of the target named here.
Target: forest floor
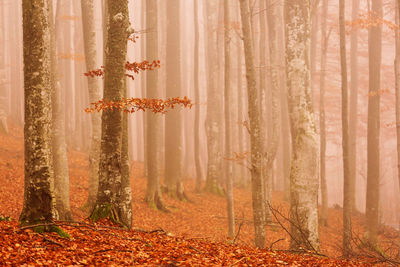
(192, 233)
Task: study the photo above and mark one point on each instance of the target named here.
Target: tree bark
(39, 198)
(346, 250)
(304, 168)
(322, 124)
(397, 84)
(373, 127)
(255, 133)
(227, 106)
(111, 199)
(89, 36)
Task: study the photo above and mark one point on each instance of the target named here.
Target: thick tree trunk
(346, 249)
(153, 194)
(89, 36)
(304, 170)
(111, 199)
(397, 82)
(322, 127)
(227, 105)
(59, 148)
(255, 133)
(39, 198)
(373, 127)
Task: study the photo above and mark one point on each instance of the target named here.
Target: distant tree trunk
(397, 81)
(59, 148)
(373, 159)
(255, 135)
(273, 142)
(345, 137)
(227, 105)
(3, 88)
(153, 194)
(322, 127)
(89, 36)
(197, 100)
(39, 198)
(143, 80)
(173, 120)
(304, 170)
(213, 126)
(111, 199)
(353, 120)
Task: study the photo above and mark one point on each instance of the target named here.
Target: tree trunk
(397, 83)
(353, 119)
(173, 120)
(227, 106)
(304, 170)
(3, 88)
(255, 134)
(59, 148)
(322, 127)
(345, 137)
(197, 100)
(89, 36)
(373, 127)
(153, 194)
(39, 198)
(111, 202)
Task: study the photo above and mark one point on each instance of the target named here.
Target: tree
(196, 150)
(397, 84)
(111, 199)
(353, 103)
(3, 89)
(304, 167)
(89, 36)
(214, 101)
(153, 194)
(255, 134)
(227, 106)
(345, 136)
(173, 120)
(322, 126)
(373, 126)
(39, 198)
(59, 148)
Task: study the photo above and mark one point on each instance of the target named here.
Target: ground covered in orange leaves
(192, 233)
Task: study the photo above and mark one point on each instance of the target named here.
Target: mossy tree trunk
(153, 141)
(111, 199)
(255, 133)
(304, 166)
(89, 36)
(39, 198)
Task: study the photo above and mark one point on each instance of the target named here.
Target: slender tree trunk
(89, 36)
(322, 127)
(153, 194)
(345, 137)
(213, 125)
(397, 81)
(197, 100)
(373, 158)
(304, 170)
(111, 199)
(353, 120)
(273, 142)
(255, 134)
(3, 88)
(59, 148)
(39, 198)
(173, 120)
(227, 102)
